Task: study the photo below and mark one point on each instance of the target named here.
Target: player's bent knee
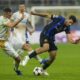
(46, 47)
(17, 59)
(27, 47)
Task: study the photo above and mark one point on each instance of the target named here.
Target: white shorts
(14, 44)
(10, 50)
(17, 39)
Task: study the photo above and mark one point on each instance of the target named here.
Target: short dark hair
(21, 3)
(7, 10)
(73, 18)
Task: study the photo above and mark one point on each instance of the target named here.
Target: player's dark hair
(73, 18)
(7, 10)
(21, 3)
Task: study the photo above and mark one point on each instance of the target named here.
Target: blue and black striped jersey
(55, 26)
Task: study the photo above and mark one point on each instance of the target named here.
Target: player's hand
(77, 41)
(31, 32)
(32, 13)
(22, 17)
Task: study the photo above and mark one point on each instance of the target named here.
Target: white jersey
(17, 15)
(22, 25)
(13, 41)
(4, 31)
(5, 35)
(19, 33)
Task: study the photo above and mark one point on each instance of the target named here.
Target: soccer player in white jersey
(5, 44)
(22, 29)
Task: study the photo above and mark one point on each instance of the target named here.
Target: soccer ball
(37, 71)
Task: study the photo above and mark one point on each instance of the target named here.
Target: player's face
(8, 14)
(22, 8)
(69, 22)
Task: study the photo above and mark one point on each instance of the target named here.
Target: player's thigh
(43, 48)
(44, 42)
(52, 49)
(52, 46)
(10, 50)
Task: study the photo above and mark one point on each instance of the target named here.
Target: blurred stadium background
(51, 6)
(67, 64)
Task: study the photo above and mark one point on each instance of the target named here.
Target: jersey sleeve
(67, 30)
(13, 17)
(28, 16)
(53, 17)
(3, 21)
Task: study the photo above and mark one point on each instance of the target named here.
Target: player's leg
(44, 47)
(48, 61)
(52, 55)
(16, 65)
(11, 52)
(28, 47)
(36, 52)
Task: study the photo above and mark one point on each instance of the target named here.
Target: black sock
(33, 54)
(16, 66)
(47, 64)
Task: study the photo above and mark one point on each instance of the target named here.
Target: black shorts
(45, 39)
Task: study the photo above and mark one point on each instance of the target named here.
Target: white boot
(25, 61)
(45, 73)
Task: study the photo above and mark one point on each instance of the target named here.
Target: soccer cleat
(43, 61)
(18, 72)
(24, 61)
(45, 73)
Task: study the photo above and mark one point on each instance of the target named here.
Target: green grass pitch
(65, 67)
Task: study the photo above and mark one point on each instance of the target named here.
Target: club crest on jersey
(45, 40)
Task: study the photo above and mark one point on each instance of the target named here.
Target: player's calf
(17, 62)
(18, 72)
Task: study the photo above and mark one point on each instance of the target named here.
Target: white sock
(38, 58)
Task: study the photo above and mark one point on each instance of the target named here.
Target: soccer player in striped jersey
(47, 37)
(5, 25)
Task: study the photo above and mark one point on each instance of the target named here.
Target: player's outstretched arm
(71, 40)
(14, 23)
(41, 14)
